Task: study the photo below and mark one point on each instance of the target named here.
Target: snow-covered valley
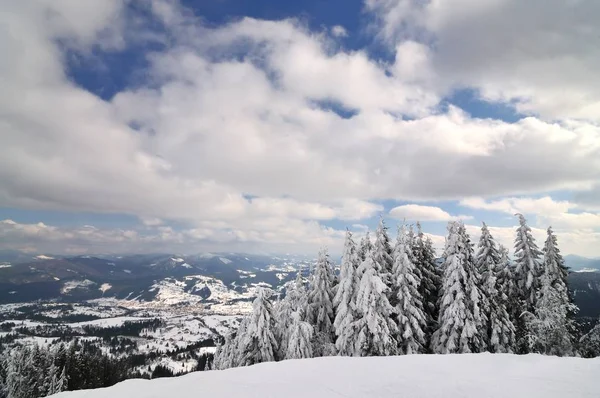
(416, 376)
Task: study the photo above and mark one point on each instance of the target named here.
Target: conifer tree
(590, 342)
(460, 318)
(528, 266)
(345, 297)
(258, 343)
(528, 270)
(365, 247)
(300, 339)
(409, 305)
(500, 334)
(555, 264)
(382, 254)
(320, 306)
(550, 326)
(373, 330)
(430, 283)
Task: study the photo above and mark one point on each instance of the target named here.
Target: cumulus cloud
(412, 212)
(339, 31)
(259, 131)
(545, 205)
(539, 55)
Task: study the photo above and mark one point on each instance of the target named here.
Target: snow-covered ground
(416, 376)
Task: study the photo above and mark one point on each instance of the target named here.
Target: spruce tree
(373, 331)
(300, 338)
(345, 299)
(382, 253)
(430, 283)
(320, 306)
(365, 247)
(258, 343)
(528, 265)
(460, 318)
(410, 316)
(589, 345)
(550, 326)
(500, 334)
(528, 271)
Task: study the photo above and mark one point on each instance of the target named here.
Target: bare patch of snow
(225, 260)
(44, 257)
(105, 287)
(71, 285)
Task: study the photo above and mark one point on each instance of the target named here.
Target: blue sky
(268, 126)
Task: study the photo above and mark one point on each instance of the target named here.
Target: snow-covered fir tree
(293, 302)
(430, 283)
(551, 329)
(365, 246)
(410, 316)
(345, 297)
(460, 318)
(548, 332)
(555, 264)
(374, 329)
(507, 284)
(382, 253)
(320, 312)
(489, 262)
(589, 344)
(528, 265)
(528, 271)
(257, 343)
(299, 343)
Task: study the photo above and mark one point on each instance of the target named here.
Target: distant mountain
(582, 264)
(210, 278)
(144, 277)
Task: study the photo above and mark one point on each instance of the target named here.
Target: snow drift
(422, 376)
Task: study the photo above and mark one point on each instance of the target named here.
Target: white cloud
(247, 109)
(412, 212)
(540, 54)
(339, 31)
(544, 206)
(571, 241)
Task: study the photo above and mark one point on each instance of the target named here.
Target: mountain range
(209, 278)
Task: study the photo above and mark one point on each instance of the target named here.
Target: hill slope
(423, 376)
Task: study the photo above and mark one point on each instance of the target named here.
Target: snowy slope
(422, 376)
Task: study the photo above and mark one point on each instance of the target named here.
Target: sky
(273, 126)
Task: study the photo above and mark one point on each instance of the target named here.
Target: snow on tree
(293, 302)
(344, 300)
(460, 318)
(528, 271)
(507, 284)
(320, 312)
(411, 318)
(500, 330)
(589, 344)
(528, 266)
(555, 264)
(382, 253)
(430, 283)
(257, 343)
(373, 331)
(550, 329)
(299, 343)
(365, 247)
